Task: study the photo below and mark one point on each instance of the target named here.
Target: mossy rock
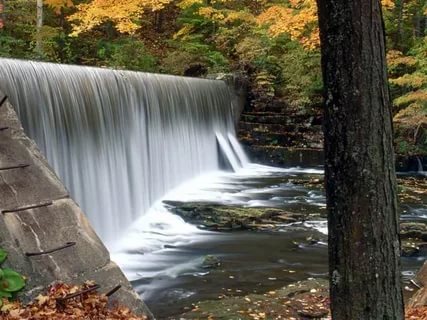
(413, 230)
(228, 218)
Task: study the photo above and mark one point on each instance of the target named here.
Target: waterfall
(119, 140)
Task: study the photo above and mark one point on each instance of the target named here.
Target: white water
(121, 140)
(141, 253)
(420, 169)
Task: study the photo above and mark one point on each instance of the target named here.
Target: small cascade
(120, 140)
(237, 147)
(230, 154)
(420, 168)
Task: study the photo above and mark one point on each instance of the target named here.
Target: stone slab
(53, 220)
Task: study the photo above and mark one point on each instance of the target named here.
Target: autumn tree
(359, 170)
(122, 13)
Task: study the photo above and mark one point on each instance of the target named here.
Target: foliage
(123, 13)
(10, 280)
(131, 55)
(90, 305)
(298, 20)
(274, 44)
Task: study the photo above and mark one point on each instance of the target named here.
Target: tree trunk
(39, 25)
(364, 246)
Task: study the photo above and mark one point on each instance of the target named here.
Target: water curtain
(119, 140)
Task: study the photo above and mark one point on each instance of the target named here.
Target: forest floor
(303, 300)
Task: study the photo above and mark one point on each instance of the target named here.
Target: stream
(164, 256)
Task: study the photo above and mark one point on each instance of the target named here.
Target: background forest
(274, 45)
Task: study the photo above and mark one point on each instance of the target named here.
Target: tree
(39, 25)
(124, 14)
(363, 221)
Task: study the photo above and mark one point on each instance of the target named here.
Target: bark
(364, 246)
(39, 25)
(39, 22)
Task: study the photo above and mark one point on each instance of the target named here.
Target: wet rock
(419, 299)
(229, 218)
(283, 156)
(196, 70)
(211, 262)
(414, 230)
(410, 249)
(421, 277)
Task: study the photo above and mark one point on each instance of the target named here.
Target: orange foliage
(90, 305)
(298, 20)
(123, 13)
(419, 313)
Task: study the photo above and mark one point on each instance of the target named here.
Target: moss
(227, 218)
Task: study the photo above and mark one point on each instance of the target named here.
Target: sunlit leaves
(124, 14)
(299, 20)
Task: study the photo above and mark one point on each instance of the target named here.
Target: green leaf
(3, 255)
(1, 274)
(4, 294)
(12, 281)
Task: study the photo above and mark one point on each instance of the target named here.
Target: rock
(421, 277)
(410, 249)
(38, 215)
(211, 262)
(228, 218)
(419, 299)
(196, 70)
(413, 230)
(306, 299)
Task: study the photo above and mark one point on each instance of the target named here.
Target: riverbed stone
(37, 215)
(414, 230)
(419, 299)
(229, 218)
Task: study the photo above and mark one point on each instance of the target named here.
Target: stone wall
(37, 214)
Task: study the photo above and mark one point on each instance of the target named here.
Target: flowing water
(123, 141)
(120, 140)
(173, 277)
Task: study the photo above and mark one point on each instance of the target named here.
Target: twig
(113, 291)
(67, 245)
(77, 294)
(19, 166)
(28, 207)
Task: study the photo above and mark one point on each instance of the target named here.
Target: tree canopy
(274, 43)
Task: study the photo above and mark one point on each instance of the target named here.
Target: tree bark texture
(39, 25)
(364, 246)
